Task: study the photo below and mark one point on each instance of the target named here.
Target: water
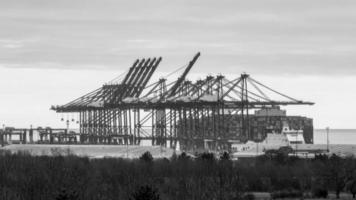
(336, 136)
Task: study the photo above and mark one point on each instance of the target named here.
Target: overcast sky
(52, 51)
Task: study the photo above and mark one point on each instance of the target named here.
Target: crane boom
(182, 77)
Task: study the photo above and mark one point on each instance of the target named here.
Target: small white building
(293, 136)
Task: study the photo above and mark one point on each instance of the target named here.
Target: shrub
(319, 192)
(286, 194)
(145, 193)
(225, 156)
(146, 157)
(285, 150)
(65, 194)
(249, 196)
(183, 157)
(207, 156)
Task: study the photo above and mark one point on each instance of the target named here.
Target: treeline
(181, 177)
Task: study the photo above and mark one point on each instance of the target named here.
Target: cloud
(11, 44)
(273, 37)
